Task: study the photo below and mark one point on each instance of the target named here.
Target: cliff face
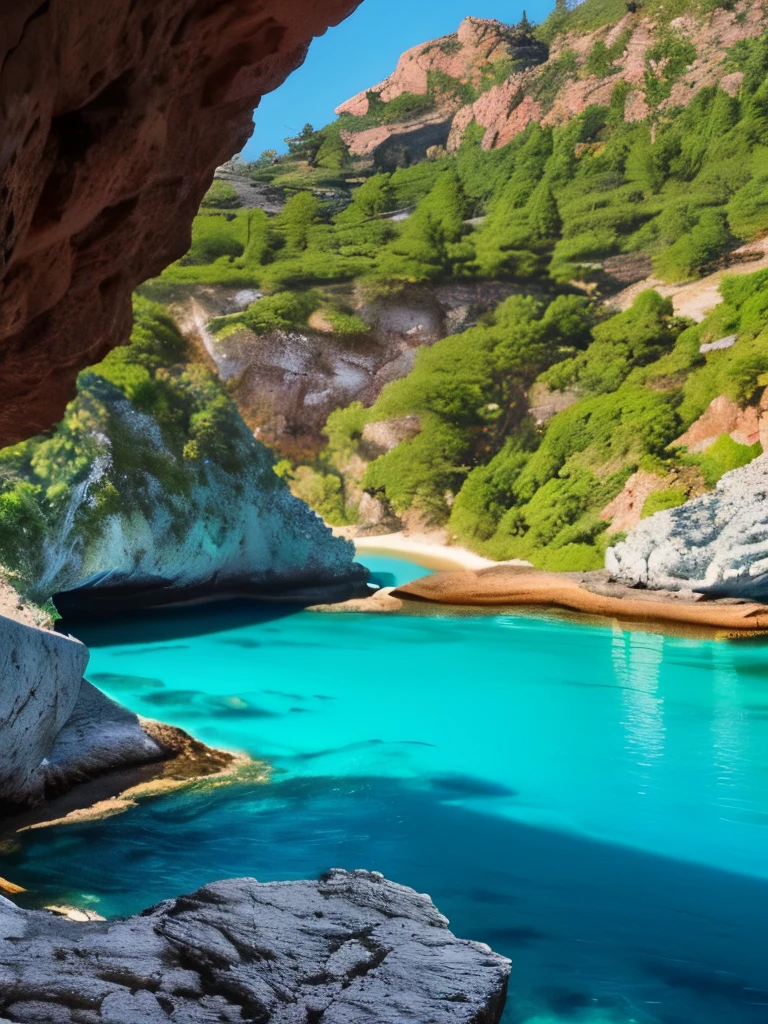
(204, 530)
(286, 382)
(479, 46)
(490, 75)
(113, 117)
(57, 729)
(41, 673)
(447, 71)
(153, 516)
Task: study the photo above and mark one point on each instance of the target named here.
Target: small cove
(591, 801)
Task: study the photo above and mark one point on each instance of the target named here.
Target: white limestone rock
(352, 948)
(180, 528)
(40, 678)
(717, 543)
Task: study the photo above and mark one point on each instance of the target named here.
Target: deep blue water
(591, 801)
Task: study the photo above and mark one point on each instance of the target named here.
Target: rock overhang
(113, 118)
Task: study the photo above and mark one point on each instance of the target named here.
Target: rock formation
(287, 382)
(113, 119)
(57, 729)
(351, 947)
(724, 416)
(550, 88)
(479, 52)
(178, 528)
(717, 543)
(41, 675)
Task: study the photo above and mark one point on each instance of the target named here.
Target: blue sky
(361, 52)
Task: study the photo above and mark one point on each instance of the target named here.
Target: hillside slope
(468, 340)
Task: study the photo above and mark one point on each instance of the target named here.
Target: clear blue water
(591, 801)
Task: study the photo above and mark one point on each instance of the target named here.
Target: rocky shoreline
(592, 593)
(347, 948)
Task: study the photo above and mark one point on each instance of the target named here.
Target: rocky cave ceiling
(113, 118)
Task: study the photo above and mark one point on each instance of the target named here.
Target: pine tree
(524, 26)
(545, 219)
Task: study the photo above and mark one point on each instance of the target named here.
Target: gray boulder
(351, 948)
(99, 736)
(716, 544)
(40, 677)
(55, 728)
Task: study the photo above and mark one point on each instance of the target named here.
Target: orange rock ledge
(591, 593)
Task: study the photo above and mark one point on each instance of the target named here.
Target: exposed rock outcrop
(479, 53)
(717, 542)
(179, 529)
(56, 729)
(113, 119)
(515, 81)
(41, 673)
(592, 593)
(286, 383)
(351, 947)
(464, 56)
(724, 416)
(624, 512)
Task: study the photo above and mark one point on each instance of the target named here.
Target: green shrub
(748, 209)
(221, 196)
(723, 456)
(695, 251)
(213, 236)
(346, 323)
(657, 501)
(675, 54)
(323, 492)
(601, 58)
(274, 312)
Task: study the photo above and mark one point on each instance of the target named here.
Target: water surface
(591, 801)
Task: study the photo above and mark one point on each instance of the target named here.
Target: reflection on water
(637, 661)
(593, 802)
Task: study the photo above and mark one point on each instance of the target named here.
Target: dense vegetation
(682, 189)
(558, 209)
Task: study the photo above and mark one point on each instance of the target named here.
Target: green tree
(544, 217)
(296, 221)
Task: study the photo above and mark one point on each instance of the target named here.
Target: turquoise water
(591, 801)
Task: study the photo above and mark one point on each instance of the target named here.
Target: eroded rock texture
(40, 678)
(349, 949)
(113, 117)
(717, 544)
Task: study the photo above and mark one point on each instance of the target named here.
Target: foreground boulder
(349, 949)
(717, 544)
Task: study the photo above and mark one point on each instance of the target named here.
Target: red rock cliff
(113, 116)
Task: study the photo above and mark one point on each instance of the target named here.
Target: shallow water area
(592, 802)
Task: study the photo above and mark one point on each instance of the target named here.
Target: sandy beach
(427, 549)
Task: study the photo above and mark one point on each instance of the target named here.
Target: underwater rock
(351, 947)
(719, 540)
